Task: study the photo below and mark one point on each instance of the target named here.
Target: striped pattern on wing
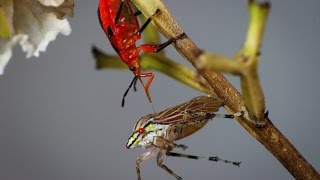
(178, 114)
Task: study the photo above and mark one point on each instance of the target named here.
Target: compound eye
(132, 68)
(141, 131)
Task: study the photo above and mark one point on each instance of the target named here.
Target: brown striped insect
(157, 132)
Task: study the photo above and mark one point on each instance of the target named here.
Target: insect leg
(146, 87)
(211, 158)
(143, 27)
(137, 13)
(142, 158)
(160, 164)
(182, 146)
(133, 82)
(159, 47)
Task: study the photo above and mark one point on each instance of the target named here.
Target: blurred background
(62, 120)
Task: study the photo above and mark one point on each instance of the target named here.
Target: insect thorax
(145, 131)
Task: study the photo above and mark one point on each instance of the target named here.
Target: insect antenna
(211, 158)
(133, 82)
(135, 86)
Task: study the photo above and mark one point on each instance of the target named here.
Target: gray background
(61, 119)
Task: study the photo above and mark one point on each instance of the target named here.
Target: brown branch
(268, 135)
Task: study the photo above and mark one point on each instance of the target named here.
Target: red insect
(122, 28)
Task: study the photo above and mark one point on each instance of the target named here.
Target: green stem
(219, 63)
(258, 13)
(250, 83)
(162, 64)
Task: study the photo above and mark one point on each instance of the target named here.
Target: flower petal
(5, 49)
(41, 26)
(32, 24)
(54, 3)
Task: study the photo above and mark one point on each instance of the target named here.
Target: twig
(268, 135)
(159, 63)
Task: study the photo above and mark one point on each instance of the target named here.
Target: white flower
(32, 24)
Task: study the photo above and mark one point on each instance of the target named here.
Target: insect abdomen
(188, 129)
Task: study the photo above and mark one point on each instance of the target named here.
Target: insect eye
(141, 131)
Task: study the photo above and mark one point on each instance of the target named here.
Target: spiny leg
(211, 158)
(160, 164)
(133, 82)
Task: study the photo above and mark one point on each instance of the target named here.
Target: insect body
(122, 29)
(157, 132)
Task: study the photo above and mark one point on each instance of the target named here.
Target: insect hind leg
(211, 158)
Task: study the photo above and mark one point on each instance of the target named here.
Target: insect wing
(111, 12)
(179, 113)
(107, 12)
(125, 15)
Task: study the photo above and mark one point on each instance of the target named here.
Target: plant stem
(268, 135)
(250, 83)
(155, 62)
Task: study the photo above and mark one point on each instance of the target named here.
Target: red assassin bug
(122, 28)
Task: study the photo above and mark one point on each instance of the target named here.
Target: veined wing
(179, 113)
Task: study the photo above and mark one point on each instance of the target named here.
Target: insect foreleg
(142, 158)
(146, 87)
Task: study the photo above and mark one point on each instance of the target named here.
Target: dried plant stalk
(268, 135)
